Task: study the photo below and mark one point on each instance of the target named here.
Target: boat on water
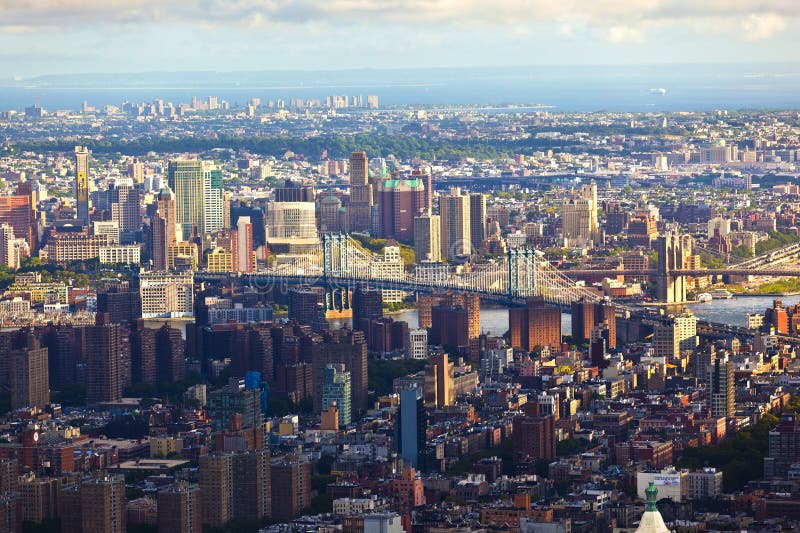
(704, 297)
(720, 294)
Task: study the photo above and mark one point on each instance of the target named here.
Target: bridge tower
(672, 250)
(335, 263)
(335, 248)
(522, 271)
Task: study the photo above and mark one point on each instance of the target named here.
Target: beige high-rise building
(428, 238)
(30, 379)
(477, 219)
(454, 211)
(579, 218)
(675, 335)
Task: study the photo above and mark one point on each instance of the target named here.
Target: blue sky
(69, 36)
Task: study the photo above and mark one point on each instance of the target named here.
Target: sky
(39, 37)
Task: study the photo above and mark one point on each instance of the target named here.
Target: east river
(494, 320)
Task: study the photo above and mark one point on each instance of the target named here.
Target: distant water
(612, 88)
(734, 311)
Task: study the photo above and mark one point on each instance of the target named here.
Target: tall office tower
(477, 220)
(399, 201)
(579, 218)
(293, 479)
(305, 304)
(169, 354)
(367, 304)
(427, 238)
(587, 315)
(534, 437)
(341, 347)
(107, 361)
(721, 384)
(216, 489)
(456, 228)
(675, 335)
(82, 184)
(242, 246)
(784, 448)
(359, 168)
(187, 180)
(536, 324)
(180, 508)
(336, 390)
(410, 427)
(29, 373)
(16, 211)
(136, 172)
(439, 374)
(164, 231)
(103, 504)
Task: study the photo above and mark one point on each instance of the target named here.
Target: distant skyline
(44, 37)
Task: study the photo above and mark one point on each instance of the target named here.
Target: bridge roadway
(774, 272)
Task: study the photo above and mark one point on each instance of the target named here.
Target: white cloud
(617, 20)
(759, 27)
(624, 34)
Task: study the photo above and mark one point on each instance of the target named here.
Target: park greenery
(776, 240)
(779, 286)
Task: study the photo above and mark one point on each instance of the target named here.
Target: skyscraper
(198, 196)
(82, 184)
(721, 398)
(17, 212)
(107, 358)
(336, 389)
(367, 304)
(399, 201)
(169, 354)
(305, 304)
(428, 238)
(477, 219)
(579, 217)
(126, 207)
(359, 209)
(164, 230)
(456, 229)
(28, 368)
(411, 426)
(242, 244)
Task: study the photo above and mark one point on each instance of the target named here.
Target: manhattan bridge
(341, 261)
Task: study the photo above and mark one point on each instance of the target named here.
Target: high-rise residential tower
(454, 210)
(164, 229)
(477, 219)
(428, 238)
